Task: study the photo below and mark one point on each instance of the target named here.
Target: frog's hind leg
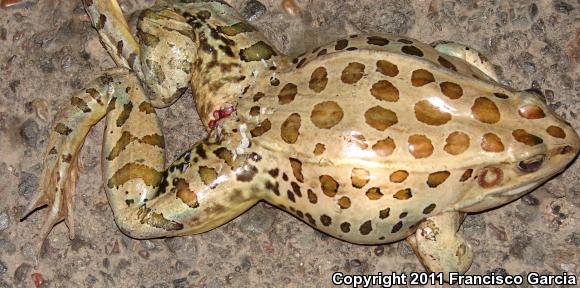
(70, 127)
(440, 246)
(468, 54)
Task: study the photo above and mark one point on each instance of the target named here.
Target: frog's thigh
(439, 245)
(167, 54)
(470, 55)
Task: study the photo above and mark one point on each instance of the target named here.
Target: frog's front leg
(439, 244)
(469, 54)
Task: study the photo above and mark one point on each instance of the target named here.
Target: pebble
(530, 200)
(180, 283)
(246, 263)
(4, 221)
(3, 268)
(28, 185)
(563, 7)
(256, 221)
(404, 249)
(253, 10)
(30, 132)
(379, 250)
(22, 273)
(7, 246)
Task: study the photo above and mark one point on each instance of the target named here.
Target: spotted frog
(371, 139)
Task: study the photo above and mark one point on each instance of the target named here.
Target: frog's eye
(538, 94)
(531, 164)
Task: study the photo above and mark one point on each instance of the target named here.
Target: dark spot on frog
(397, 227)
(325, 220)
(199, 150)
(247, 174)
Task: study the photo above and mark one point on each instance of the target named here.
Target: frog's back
(376, 134)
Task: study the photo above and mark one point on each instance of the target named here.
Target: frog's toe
(56, 191)
(439, 245)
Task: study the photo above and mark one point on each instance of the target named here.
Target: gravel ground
(48, 50)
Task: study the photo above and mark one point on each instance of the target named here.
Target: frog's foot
(439, 245)
(468, 54)
(58, 179)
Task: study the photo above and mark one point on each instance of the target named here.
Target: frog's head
(538, 145)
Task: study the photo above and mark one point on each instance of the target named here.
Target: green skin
(206, 45)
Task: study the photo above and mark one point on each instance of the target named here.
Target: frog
(371, 139)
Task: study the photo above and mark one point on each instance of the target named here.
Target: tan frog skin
(371, 139)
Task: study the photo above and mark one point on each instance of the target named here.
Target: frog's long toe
(439, 245)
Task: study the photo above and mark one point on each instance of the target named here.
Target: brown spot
(341, 44)
(319, 149)
(397, 227)
(491, 143)
(207, 175)
(146, 107)
(273, 188)
(403, 194)
(258, 96)
(124, 115)
(101, 22)
(325, 220)
(384, 147)
(352, 73)
(80, 103)
(556, 132)
(374, 193)
(387, 68)
(359, 177)
(431, 114)
(290, 196)
(345, 227)
(125, 139)
(456, 143)
(377, 40)
(421, 77)
(466, 175)
(296, 188)
(328, 185)
(366, 228)
(437, 178)
(531, 111)
(257, 52)
(262, 128)
(274, 81)
(312, 196)
(182, 192)
(451, 90)
(157, 220)
(255, 111)
(429, 208)
(526, 138)
(380, 118)
(399, 176)
(62, 129)
(385, 91)
(287, 93)
(247, 173)
(153, 140)
(344, 202)
(489, 177)
(501, 95)
(204, 15)
(274, 172)
(129, 171)
(326, 115)
(322, 52)
(412, 50)
(233, 30)
(291, 128)
(318, 79)
(384, 213)
(405, 41)
(445, 63)
(485, 110)
(297, 169)
(225, 154)
(420, 146)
